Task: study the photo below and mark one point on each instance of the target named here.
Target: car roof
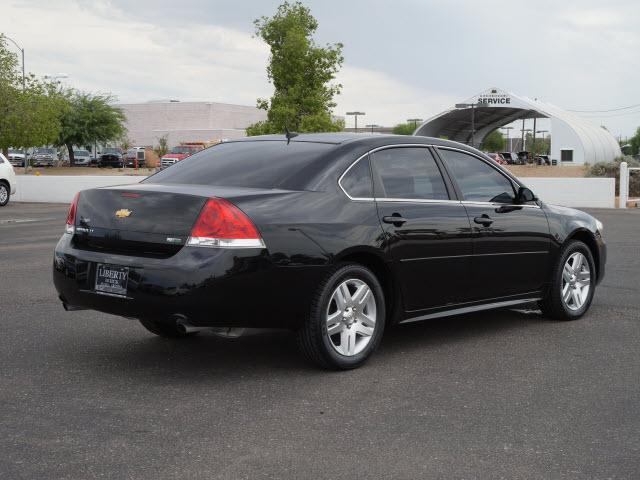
(365, 139)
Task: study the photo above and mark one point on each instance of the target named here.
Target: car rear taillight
(221, 224)
(70, 227)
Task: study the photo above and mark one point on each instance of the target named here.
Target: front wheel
(4, 194)
(346, 321)
(572, 284)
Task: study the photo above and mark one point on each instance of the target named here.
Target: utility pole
(372, 126)
(355, 114)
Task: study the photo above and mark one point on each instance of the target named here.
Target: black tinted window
(260, 164)
(357, 181)
(478, 181)
(409, 173)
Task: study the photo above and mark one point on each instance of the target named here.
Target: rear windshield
(257, 164)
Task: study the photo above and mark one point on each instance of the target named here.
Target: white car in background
(81, 157)
(7, 180)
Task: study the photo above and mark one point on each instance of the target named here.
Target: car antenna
(289, 134)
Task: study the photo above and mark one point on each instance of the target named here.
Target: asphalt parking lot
(503, 394)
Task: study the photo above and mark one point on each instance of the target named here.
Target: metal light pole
(473, 107)
(524, 138)
(355, 114)
(414, 121)
(372, 127)
(543, 140)
(22, 53)
(508, 137)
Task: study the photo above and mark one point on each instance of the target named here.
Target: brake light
(221, 224)
(70, 227)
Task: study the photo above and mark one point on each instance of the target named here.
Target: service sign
(494, 99)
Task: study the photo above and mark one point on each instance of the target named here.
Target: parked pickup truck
(181, 152)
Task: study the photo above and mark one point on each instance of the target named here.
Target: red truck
(182, 151)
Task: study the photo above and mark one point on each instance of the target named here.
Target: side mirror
(525, 195)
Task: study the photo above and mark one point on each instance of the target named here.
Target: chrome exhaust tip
(183, 325)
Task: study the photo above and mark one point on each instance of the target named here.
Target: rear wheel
(572, 284)
(4, 194)
(166, 330)
(346, 321)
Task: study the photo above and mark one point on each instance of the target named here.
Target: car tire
(165, 330)
(5, 193)
(572, 283)
(349, 302)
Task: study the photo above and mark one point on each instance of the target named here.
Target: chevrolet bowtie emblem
(123, 213)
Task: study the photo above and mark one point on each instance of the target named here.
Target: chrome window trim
(356, 199)
(498, 169)
(414, 200)
(385, 199)
(424, 200)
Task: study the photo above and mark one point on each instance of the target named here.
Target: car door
(511, 241)
(427, 230)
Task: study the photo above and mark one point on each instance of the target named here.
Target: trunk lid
(151, 220)
(135, 222)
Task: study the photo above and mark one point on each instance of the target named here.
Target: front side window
(408, 173)
(357, 180)
(478, 181)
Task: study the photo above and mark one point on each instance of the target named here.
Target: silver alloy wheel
(4, 193)
(351, 317)
(576, 281)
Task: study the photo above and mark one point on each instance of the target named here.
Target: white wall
(574, 192)
(570, 192)
(61, 189)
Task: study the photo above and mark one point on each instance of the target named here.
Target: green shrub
(612, 170)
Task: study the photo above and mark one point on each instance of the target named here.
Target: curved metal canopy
(495, 108)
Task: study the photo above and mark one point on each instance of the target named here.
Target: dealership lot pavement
(504, 394)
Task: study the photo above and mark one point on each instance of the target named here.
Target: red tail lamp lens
(221, 219)
(71, 216)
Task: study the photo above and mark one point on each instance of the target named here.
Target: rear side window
(258, 164)
(478, 181)
(357, 180)
(408, 173)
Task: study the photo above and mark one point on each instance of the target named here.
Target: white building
(574, 140)
(187, 121)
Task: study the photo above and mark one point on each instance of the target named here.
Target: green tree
(301, 73)
(163, 146)
(635, 143)
(89, 118)
(404, 129)
(29, 113)
(540, 146)
(494, 142)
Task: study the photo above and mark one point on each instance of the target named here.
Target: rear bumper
(208, 286)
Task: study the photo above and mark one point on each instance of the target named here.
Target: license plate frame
(111, 279)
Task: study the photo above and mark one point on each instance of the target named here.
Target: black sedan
(335, 236)
(111, 157)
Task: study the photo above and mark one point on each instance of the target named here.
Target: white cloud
(103, 49)
(386, 100)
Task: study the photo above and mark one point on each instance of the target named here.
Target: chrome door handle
(396, 220)
(484, 220)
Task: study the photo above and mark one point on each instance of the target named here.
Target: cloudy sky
(406, 58)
